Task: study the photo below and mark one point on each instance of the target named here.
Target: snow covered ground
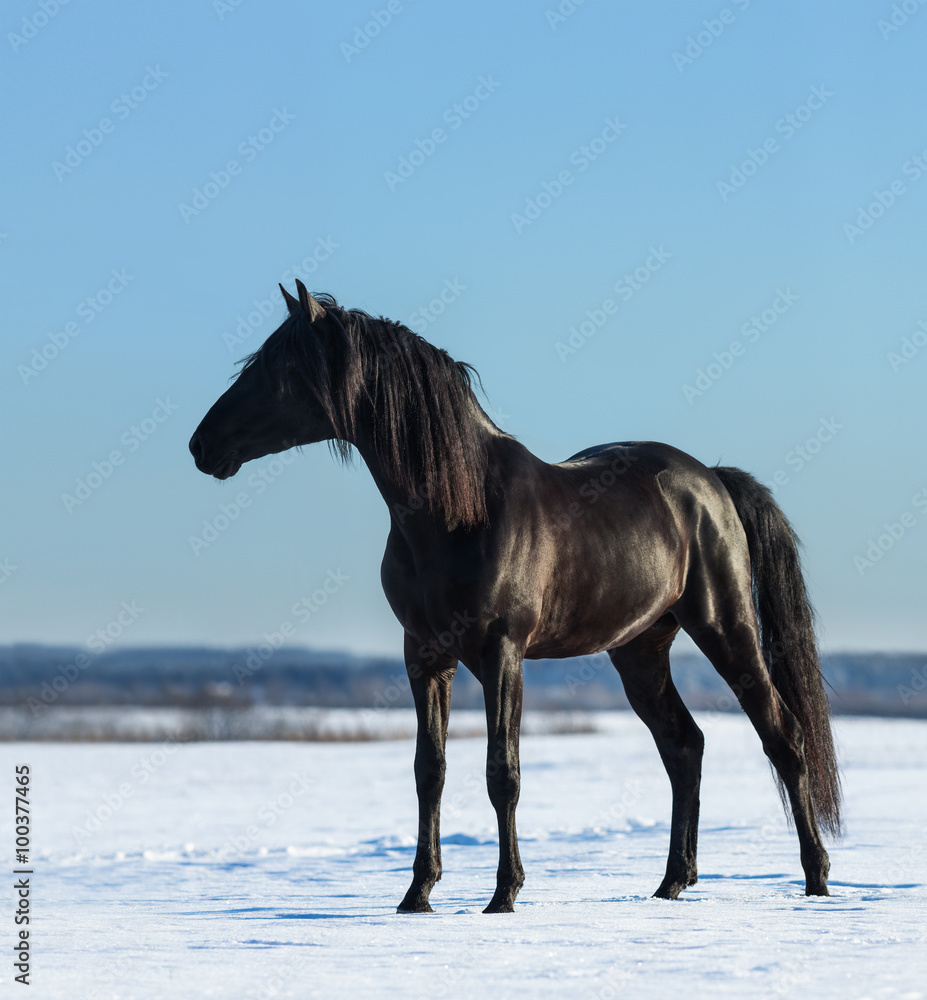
(248, 870)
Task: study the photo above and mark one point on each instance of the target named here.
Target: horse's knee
(429, 775)
(503, 782)
(503, 790)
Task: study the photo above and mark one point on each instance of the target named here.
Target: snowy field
(246, 870)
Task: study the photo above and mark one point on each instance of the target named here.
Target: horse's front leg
(501, 674)
(431, 690)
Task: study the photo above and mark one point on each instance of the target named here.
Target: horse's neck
(402, 505)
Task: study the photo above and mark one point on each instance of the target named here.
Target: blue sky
(166, 164)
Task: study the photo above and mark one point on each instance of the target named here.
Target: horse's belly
(591, 634)
(578, 621)
(575, 643)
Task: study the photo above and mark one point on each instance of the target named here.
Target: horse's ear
(314, 309)
(291, 304)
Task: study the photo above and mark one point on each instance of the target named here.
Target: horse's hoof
(415, 901)
(670, 888)
(423, 907)
(503, 901)
(818, 889)
(505, 906)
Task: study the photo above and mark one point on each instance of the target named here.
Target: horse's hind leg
(645, 672)
(431, 691)
(734, 650)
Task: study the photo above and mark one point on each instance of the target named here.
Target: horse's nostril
(196, 448)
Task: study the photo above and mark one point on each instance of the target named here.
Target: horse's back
(676, 475)
(653, 455)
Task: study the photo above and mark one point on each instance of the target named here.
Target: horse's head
(270, 406)
(343, 376)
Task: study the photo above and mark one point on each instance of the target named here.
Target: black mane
(417, 401)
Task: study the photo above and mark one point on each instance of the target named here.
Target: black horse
(494, 556)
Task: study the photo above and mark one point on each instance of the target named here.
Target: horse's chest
(427, 609)
(444, 603)
(404, 587)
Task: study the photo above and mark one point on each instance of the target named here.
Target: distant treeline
(31, 676)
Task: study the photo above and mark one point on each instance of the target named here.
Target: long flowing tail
(786, 621)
